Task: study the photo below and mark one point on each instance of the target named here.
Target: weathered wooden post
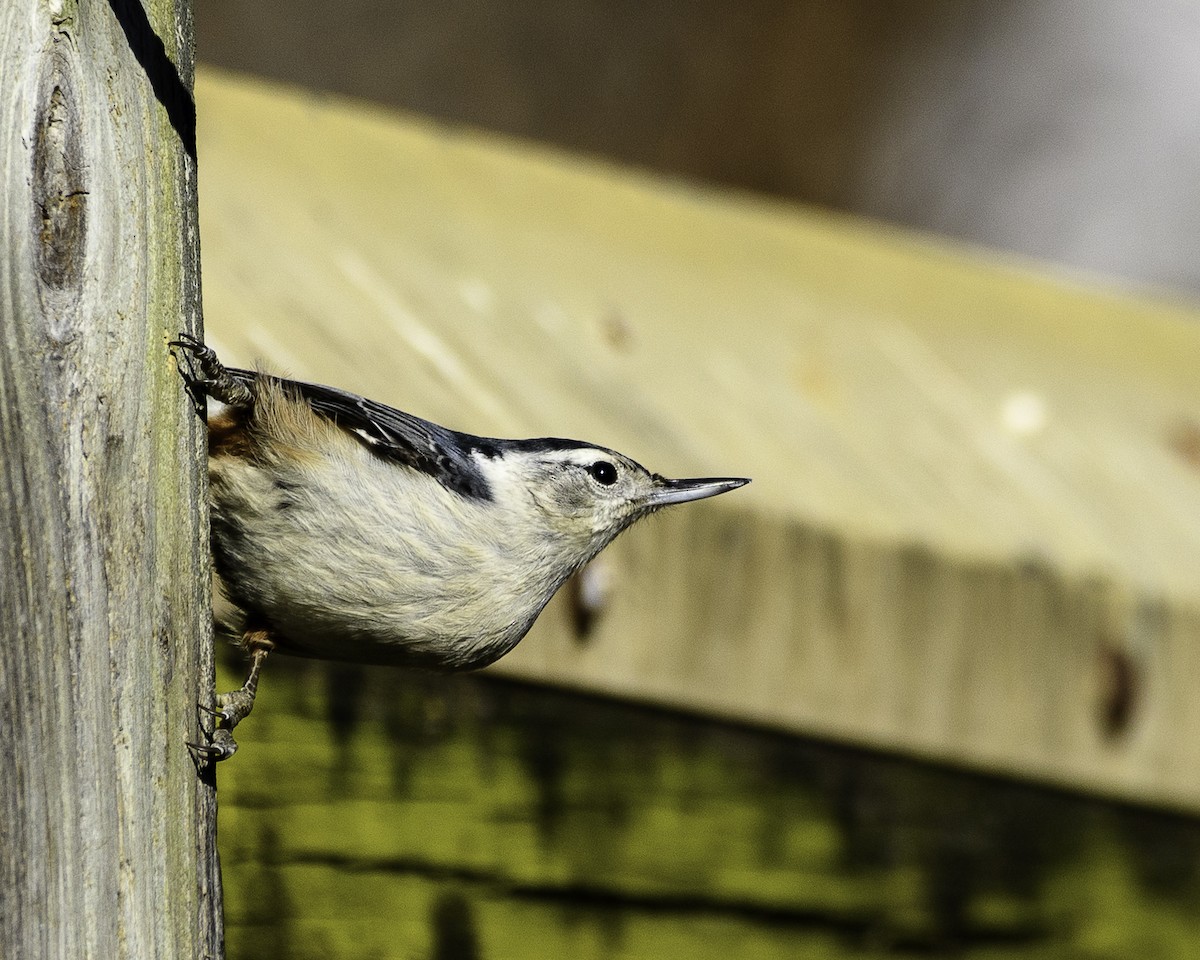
(107, 842)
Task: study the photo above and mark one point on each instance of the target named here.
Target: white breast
(348, 556)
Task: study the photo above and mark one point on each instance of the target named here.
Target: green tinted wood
(374, 814)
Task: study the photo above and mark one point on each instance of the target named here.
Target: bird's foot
(220, 746)
(232, 708)
(205, 376)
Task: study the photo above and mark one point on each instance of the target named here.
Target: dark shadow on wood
(169, 89)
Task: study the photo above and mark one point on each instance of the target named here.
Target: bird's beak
(681, 491)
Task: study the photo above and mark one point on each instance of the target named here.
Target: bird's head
(582, 496)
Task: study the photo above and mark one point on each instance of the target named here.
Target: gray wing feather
(395, 435)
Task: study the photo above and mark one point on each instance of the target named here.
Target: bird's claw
(204, 375)
(190, 353)
(232, 708)
(211, 711)
(204, 355)
(220, 746)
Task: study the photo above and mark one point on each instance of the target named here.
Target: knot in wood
(59, 188)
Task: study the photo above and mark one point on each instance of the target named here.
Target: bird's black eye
(603, 472)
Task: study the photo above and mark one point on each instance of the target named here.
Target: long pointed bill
(681, 491)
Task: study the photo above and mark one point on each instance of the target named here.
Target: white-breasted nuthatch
(344, 529)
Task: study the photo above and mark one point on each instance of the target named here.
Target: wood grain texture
(107, 834)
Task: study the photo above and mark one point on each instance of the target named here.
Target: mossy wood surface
(974, 529)
(107, 833)
(374, 814)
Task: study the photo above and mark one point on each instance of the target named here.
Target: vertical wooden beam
(106, 831)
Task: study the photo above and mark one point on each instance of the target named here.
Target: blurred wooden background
(1060, 129)
(374, 814)
(925, 688)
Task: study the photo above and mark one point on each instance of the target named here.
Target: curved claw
(221, 746)
(205, 376)
(231, 709)
(195, 382)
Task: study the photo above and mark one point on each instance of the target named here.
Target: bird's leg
(234, 707)
(204, 375)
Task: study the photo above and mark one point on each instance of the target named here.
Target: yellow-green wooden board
(374, 814)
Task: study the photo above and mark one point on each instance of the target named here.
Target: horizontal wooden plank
(374, 813)
(974, 532)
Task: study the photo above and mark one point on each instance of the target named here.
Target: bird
(345, 529)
